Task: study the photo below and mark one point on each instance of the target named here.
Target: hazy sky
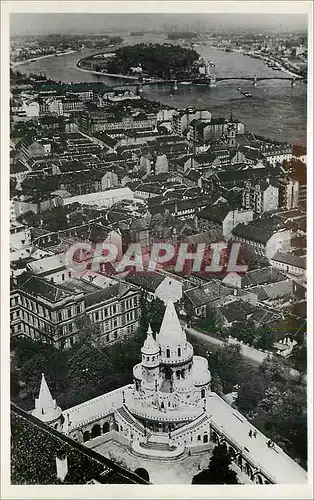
(31, 24)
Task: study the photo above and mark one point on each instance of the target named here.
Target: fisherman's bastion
(166, 424)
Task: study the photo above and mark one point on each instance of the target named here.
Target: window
(168, 353)
(69, 313)
(179, 351)
(60, 316)
(115, 323)
(78, 308)
(63, 277)
(114, 309)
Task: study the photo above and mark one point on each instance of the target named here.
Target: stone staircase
(191, 427)
(124, 413)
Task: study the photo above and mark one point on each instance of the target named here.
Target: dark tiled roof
(262, 277)
(150, 282)
(35, 446)
(291, 260)
(193, 175)
(208, 237)
(259, 230)
(205, 294)
(252, 153)
(17, 167)
(42, 288)
(215, 214)
(238, 310)
(263, 316)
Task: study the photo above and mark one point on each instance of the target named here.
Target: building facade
(50, 312)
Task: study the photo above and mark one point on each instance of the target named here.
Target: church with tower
(168, 421)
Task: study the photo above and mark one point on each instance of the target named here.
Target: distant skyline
(93, 23)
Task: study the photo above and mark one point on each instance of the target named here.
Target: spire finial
(150, 344)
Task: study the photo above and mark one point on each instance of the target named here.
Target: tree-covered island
(154, 61)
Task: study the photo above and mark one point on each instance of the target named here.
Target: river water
(276, 109)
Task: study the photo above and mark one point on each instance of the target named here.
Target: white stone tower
(150, 361)
(170, 384)
(46, 408)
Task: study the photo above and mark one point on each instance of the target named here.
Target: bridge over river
(210, 81)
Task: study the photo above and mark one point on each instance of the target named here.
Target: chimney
(62, 467)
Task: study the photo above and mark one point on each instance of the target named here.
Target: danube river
(276, 109)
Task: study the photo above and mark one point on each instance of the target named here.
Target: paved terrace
(94, 409)
(273, 462)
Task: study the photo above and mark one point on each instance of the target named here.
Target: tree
(227, 364)
(285, 419)
(210, 320)
(250, 393)
(284, 404)
(274, 370)
(151, 313)
(88, 365)
(265, 338)
(243, 330)
(299, 359)
(88, 331)
(219, 471)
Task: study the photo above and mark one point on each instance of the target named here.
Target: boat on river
(246, 94)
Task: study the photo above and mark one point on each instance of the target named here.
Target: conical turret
(171, 332)
(150, 345)
(46, 408)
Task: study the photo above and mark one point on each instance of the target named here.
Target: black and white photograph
(156, 247)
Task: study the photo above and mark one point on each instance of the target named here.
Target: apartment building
(261, 197)
(47, 311)
(101, 122)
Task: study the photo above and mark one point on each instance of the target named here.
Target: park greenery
(161, 61)
(265, 395)
(178, 35)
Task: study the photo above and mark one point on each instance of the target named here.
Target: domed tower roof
(46, 408)
(150, 345)
(171, 332)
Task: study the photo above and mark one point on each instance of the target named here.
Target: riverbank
(264, 58)
(111, 75)
(279, 105)
(34, 59)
